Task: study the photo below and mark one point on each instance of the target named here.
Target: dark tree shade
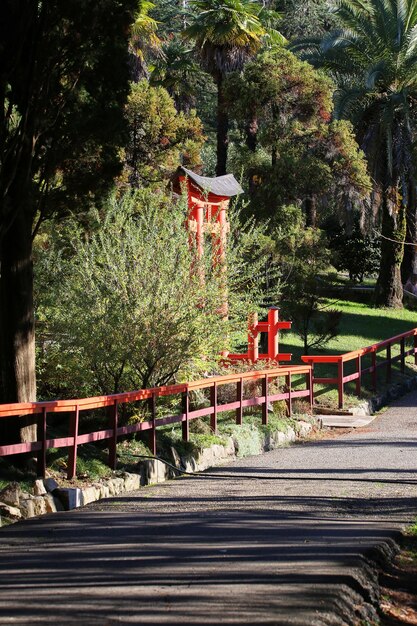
(63, 84)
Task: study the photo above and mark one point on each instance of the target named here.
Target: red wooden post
(213, 416)
(415, 349)
(374, 371)
(185, 411)
(253, 340)
(273, 345)
(152, 432)
(114, 418)
(402, 351)
(359, 379)
(265, 402)
(310, 387)
(239, 398)
(340, 383)
(289, 390)
(219, 254)
(41, 436)
(72, 456)
(389, 363)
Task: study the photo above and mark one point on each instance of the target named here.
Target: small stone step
(346, 421)
(324, 410)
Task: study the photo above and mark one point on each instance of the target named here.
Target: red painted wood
(72, 458)
(265, 404)
(185, 417)
(114, 415)
(213, 402)
(239, 394)
(41, 436)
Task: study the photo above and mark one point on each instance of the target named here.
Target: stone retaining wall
(48, 497)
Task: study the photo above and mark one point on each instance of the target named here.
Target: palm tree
(227, 33)
(373, 59)
(180, 73)
(144, 41)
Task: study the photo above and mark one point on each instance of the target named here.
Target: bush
(122, 305)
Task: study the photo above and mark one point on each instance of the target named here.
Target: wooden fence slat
(41, 436)
(72, 457)
(114, 418)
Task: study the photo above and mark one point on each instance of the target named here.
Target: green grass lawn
(361, 325)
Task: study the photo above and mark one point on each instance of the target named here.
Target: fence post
(72, 456)
(41, 436)
(289, 389)
(389, 364)
(239, 398)
(253, 338)
(402, 348)
(359, 379)
(340, 383)
(114, 418)
(374, 371)
(185, 411)
(152, 432)
(265, 403)
(213, 416)
(415, 349)
(309, 386)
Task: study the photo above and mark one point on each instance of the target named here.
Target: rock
(303, 428)
(189, 464)
(153, 471)
(11, 494)
(27, 508)
(132, 482)
(10, 511)
(39, 505)
(176, 459)
(50, 503)
(50, 484)
(39, 488)
(70, 497)
(89, 494)
(104, 491)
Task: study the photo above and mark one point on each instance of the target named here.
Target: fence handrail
(356, 355)
(96, 402)
(183, 415)
(353, 354)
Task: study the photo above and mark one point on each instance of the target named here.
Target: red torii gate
(208, 200)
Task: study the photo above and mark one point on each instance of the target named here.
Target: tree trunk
(389, 289)
(222, 129)
(311, 211)
(17, 335)
(409, 264)
(251, 130)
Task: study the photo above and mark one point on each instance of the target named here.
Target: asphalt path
(289, 537)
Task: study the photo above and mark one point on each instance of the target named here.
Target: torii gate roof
(225, 186)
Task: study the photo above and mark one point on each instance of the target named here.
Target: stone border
(49, 497)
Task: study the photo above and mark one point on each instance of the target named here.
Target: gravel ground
(289, 537)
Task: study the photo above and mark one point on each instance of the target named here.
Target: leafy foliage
(313, 320)
(160, 137)
(123, 306)
(372, 56)
(355, 253)
(299, 152)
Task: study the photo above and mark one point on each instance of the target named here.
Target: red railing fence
(270, 392)
(358, 357)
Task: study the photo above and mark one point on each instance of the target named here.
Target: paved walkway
(286, 547)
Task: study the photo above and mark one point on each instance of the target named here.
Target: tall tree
(373, 58)
(227, 33)
(63, 83)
